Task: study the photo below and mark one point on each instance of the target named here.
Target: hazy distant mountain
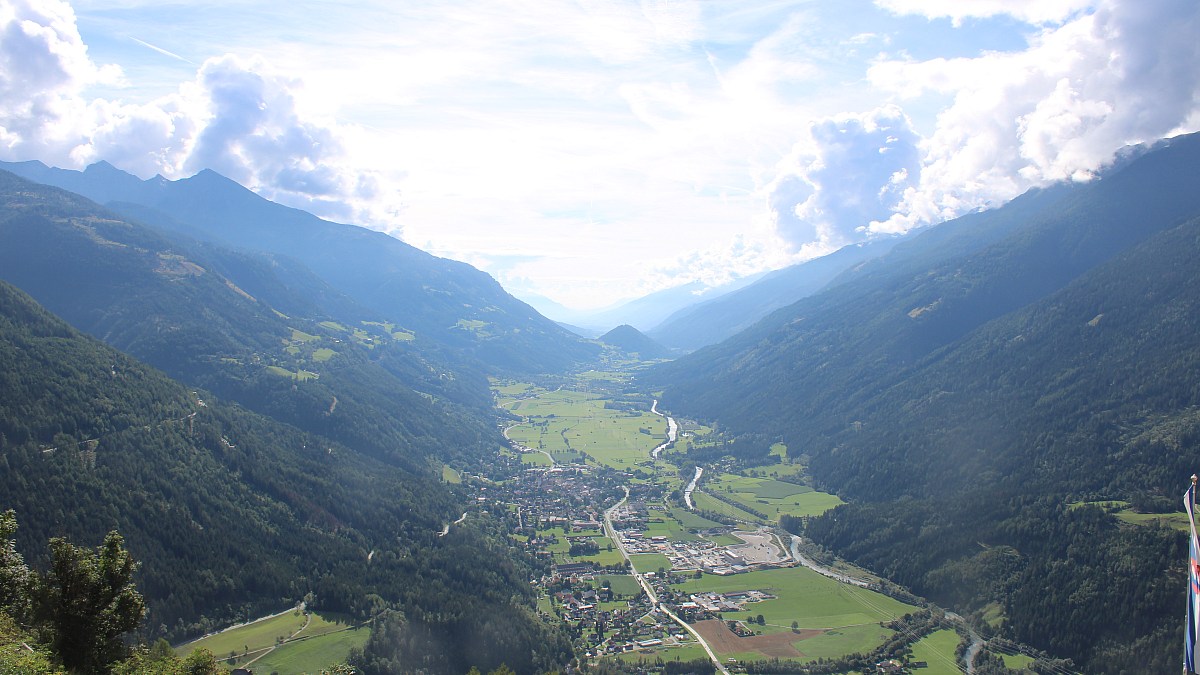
(632, 341)
(986, 374)
(710, 321)
(448, 303)
(646, 312)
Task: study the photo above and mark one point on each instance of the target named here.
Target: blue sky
(597, 150)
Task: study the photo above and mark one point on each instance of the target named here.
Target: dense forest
(972, 390)
(232, 514)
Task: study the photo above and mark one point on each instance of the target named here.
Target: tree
(86, 601)
(14, 574)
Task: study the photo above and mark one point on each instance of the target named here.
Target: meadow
(848, 616)
(571, 425)
(287, 643)
(938, 650)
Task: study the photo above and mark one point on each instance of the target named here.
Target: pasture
(576, 424)
(767, 495)
(287, 638)
(938, 650)
(847, 617)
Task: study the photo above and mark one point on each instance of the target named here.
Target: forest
(233, 515)
(974, 390)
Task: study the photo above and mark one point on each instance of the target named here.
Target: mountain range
(445, 304)
(972, 390)
(985, 394)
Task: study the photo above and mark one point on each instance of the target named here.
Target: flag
(1192, 631)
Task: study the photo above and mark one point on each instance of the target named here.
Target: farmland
(578, 434)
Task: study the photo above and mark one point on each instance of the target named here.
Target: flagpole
(1191, 545)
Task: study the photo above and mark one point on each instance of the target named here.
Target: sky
(599, 150)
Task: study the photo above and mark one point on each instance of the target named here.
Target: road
(819, 569)
(612, 534)
(548, 455)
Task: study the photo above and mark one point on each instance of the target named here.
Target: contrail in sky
(160, 50)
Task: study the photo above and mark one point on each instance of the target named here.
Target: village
(594, 585)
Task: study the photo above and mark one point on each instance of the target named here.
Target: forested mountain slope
(233, 514)
(712, 321)
(633, 341)
(445, 303)
(163, 300)
(861, 335)
(968, 389)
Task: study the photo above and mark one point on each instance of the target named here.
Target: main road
(612, 534)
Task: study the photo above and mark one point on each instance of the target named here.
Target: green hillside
(232, 514)
(965, 389)
(166, 301)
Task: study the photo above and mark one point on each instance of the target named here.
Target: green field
(937, 649)
(685, 652)
(249, 637)
(322, 643)
(1126, 514)
(1017, 661)
(622, 585)
(803, 596)
(576, 423)
(649, 562)
(838, 642)
(767, 495)
(309, 655)
(450, 475)
(692, 521)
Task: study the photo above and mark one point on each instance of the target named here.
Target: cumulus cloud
(848, 172)
(43, 67)
(1059, 110)
(237, 117)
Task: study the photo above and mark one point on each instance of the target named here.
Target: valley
(637, 574)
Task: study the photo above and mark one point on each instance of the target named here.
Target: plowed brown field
(724, 641)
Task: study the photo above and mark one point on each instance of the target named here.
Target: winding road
(819, 569)
(612, 534)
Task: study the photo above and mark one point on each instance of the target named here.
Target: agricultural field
(576, 424)
(833, 619)
(767, 495)
(938, 650)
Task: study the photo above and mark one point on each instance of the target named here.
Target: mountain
(973, 390)
(711, 321)
(164, 300)
(232, 514)
(446, 305)
(632, 341)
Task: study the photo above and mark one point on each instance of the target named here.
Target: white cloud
(604, 148)
(848, 171)
(1029, 11)
(237, 117)
(43, 67)
(1060, 109)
